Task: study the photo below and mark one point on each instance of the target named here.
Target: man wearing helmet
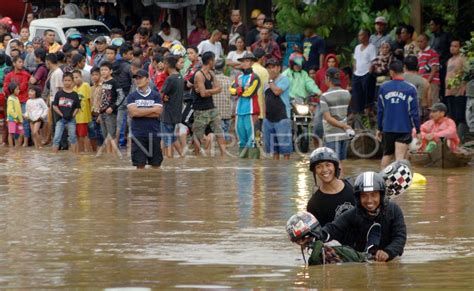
(375, 225)
(334, 196)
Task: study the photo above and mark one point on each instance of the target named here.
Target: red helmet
(296, 58)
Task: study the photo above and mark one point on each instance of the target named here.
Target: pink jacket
(445, 128)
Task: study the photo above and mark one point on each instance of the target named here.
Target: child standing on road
(14, 116)
(36, 113)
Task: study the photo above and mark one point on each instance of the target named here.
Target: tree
(333, 16)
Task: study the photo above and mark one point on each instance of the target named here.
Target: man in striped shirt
(334, 104)
(428, 66)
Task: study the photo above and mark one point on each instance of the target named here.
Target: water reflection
(81, 221)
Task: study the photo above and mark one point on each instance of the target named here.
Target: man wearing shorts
(397, 115)
(144, 107)
(205, 112)
(172, 93)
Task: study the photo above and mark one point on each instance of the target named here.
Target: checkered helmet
(302, 224)
(398, 177)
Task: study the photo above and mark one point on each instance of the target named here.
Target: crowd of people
(148, 92)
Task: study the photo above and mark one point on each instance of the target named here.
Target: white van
(90, 29)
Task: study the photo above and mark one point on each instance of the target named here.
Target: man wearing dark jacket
(375, 225)
(397, 115)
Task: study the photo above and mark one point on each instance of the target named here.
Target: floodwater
(76, 221)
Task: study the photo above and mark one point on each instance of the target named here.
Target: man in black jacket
(375, 225)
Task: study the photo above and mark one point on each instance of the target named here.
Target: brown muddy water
(77, 221)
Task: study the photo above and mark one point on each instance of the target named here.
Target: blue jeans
(26, 123)
(71, 131)
(277, 136)
(318, 128)
(340, 147)
(168, 134)
(225, 124)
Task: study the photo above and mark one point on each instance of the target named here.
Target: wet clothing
(351, 229)
(398, 107)
(245, 129)
(323, 254)
(327, 207)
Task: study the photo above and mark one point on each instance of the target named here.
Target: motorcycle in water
(302, 117)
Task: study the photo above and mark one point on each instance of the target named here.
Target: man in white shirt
(213, 44)
(363, 83)
(169, 33)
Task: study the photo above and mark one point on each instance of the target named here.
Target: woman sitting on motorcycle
(301, 84)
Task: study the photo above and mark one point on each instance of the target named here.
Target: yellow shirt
(262, 74)
(54, 48)
(14, 109)
(85, 114)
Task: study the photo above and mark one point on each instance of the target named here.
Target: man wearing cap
(100, 45)
(245, 88)
(439, 126)
(334, 105)
(144, 108)
(277, 125)
(380, 36)
(397, 115)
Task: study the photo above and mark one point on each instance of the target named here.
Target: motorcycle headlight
(302, 109)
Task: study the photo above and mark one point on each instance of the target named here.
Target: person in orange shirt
(439, 126)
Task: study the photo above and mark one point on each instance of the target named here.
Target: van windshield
(90, 31)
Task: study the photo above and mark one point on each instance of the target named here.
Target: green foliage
(329, 16)
(446, 9)
(217, 14)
